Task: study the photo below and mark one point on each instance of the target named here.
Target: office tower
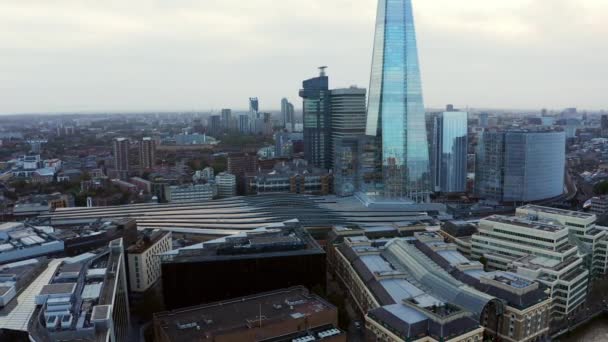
(226, 118)
(317, 120)
(287, 115)
(143, 260)
(348, 114)
(254, 108)
(244, 126)
(536, 248)
(121, 157)
(449, 108)
(520, 166)
(215, 125)
(483, 120)
(345, 166)
(147, 153)
(449, 152)
(395, 112)
(197, 126)
(604, 126)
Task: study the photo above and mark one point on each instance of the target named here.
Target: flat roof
(200, 322)
(546, 226)
(556, 211)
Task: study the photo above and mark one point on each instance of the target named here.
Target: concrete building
(317, 120)
(191, 193)
(599, 205)
(423, 289)
(226, 185)
(536, 248)
(348, 114)
(121, 157)
(296, 176)
(147, 153)
(20, 241)
(86, 299)
(226, 118)
(240, 164)
(265, 259)
(449, 152)
(292, 314)
(143, 258)
(591, 240)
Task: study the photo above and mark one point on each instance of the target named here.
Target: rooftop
(253, 312)
(287, 238)
(555, 211)
(529, 223)
(147, 238)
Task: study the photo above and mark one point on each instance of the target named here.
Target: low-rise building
(20, 241)
(536, 248)
(191, 192)
(264, 259)
(423, 289)
(292, 314)
(84, 300)
(144, 258)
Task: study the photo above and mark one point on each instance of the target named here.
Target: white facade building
(226, 185)
(144, 260)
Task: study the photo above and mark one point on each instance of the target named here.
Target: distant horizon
(217, 111)
(214, 54)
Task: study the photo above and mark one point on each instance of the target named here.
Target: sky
(162, 55)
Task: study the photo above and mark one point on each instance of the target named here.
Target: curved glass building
(396, 109)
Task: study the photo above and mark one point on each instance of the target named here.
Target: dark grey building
(287, 115)
(317, 121)
(520, 166)
(215, 125)
(449, 152)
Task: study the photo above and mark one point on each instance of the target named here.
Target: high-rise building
(287, 114)
(121, 157)
(244, 125)
(147, 153)
(226, 118)
(483, 120)
(254, 107)
(520, 166)
(317, 120)
(395, 110)
(215, 125)
(605, 126)
(348, 114)
(449, 152)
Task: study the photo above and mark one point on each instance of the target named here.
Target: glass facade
(317, 121)
(449, 153)
(520, 166)
(396, 109)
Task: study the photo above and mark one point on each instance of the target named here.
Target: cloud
(67, 55)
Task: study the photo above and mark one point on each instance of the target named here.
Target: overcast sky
(112, 55)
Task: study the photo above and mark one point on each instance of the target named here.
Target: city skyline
(123, 57)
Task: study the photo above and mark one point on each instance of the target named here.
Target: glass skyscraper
(395, 108)
(520, 166)
(449, 152)
(317, 120)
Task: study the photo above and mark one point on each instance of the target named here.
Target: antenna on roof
(322, 70)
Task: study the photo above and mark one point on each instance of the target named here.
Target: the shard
(396, 113)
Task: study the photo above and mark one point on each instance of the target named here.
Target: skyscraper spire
(396, 109)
